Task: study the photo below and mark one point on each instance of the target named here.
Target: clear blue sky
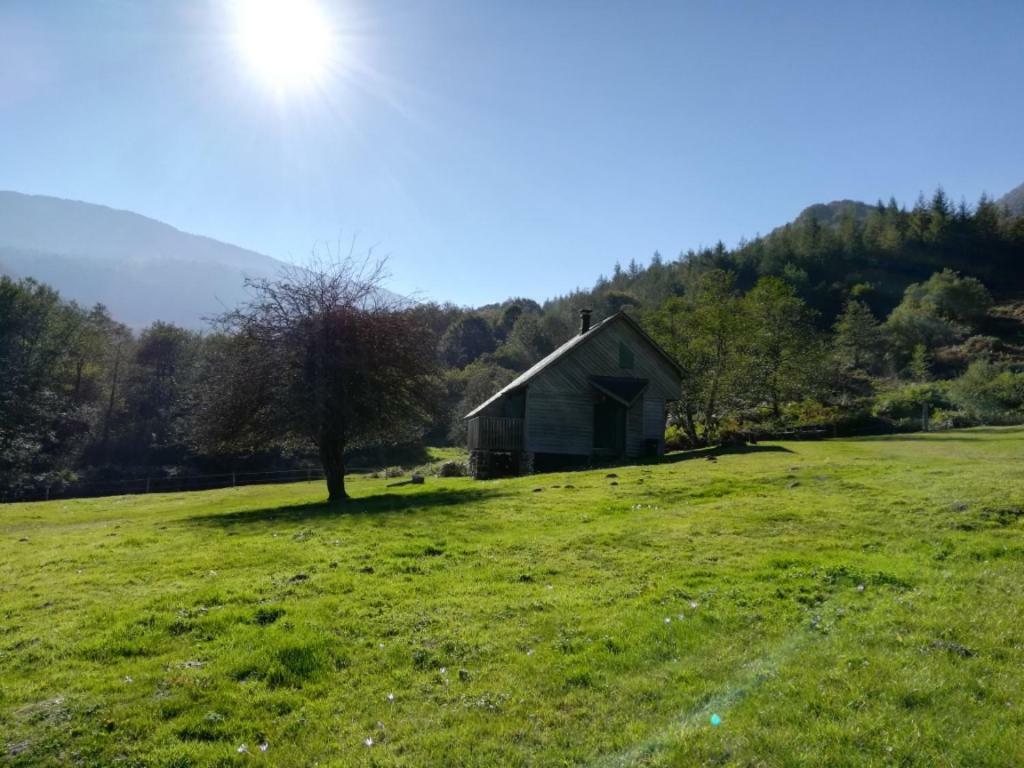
(513, 148)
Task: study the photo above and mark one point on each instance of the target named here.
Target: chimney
(584, 321)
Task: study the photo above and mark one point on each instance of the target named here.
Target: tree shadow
(709, 453)
(972, 435)
(714, 452)
(373, 504)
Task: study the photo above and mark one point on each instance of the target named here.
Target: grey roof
(576, 340)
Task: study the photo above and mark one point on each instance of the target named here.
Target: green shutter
(625, 356)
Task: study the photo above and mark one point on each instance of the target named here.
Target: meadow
(847, 602)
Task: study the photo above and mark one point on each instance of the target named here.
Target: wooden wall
(560, 422)
(654, 420)
(560, 400)
(635, 429)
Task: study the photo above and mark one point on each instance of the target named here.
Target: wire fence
(176, 484)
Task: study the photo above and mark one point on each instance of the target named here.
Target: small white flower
(242, 750)
(693, 604)
(444, 670)
(264, 747)
(681, 617)
(529, 652)
(382, 646)
(368, 741)
(550, 587)
(128, 679)
(860, 587)
(668, 619)
(391, 697)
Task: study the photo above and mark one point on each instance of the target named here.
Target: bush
(452, 469)
(676, 439)
(394, 472)
(944, 419)
(990, 394)
(903, 405)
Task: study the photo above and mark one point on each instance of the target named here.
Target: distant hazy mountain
(142, 269)
(1013, 200)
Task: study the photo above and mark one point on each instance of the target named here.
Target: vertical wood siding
(560, 398)
(495, 433)
(599, 356)
(560, 422)
(654, 418)
(635, 429)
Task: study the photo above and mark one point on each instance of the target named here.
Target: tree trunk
(690, 427)
(110, 403)
(332, 457)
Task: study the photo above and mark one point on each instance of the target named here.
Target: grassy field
(846, 603)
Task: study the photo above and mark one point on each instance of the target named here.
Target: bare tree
(322, 357)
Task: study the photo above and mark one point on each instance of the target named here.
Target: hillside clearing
(848, 602)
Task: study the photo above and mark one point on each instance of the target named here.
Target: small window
(625, 356)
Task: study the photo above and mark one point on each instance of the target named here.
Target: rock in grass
(17, 748)
(952, 647)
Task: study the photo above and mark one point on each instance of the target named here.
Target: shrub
(452, 469)
(903, 405)
(394, 472)
(676, 438)
(946, 419)
(989, 394)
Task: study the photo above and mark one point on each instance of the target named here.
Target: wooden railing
(494, 433)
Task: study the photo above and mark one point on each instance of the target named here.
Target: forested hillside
(850, 319)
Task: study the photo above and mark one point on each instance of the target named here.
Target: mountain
(142, 269)
(1013, 201)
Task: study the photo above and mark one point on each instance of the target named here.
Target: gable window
(625, 356)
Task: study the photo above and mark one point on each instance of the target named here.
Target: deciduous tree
(322, 357)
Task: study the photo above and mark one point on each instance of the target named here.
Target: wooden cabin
(603, 394)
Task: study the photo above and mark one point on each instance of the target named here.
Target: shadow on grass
(971, 435)
(716, 451)
(373, 504)
(581, 464)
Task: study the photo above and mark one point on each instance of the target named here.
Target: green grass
(847, 603)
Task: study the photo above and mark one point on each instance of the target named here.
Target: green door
(609, 428)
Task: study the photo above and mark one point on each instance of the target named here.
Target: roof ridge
(571, 343)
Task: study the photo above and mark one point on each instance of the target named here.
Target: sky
(521, 148)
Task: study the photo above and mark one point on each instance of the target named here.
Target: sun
(288, 45)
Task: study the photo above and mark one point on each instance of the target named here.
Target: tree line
(858, 318)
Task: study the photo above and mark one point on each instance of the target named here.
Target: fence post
(232, 479)
(309, 474)
(47, 493)
(147, 485)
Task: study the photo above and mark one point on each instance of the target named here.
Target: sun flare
(289, 45)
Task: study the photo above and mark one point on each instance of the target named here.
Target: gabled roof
(571, 344)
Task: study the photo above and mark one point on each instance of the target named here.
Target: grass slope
(849, 603)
